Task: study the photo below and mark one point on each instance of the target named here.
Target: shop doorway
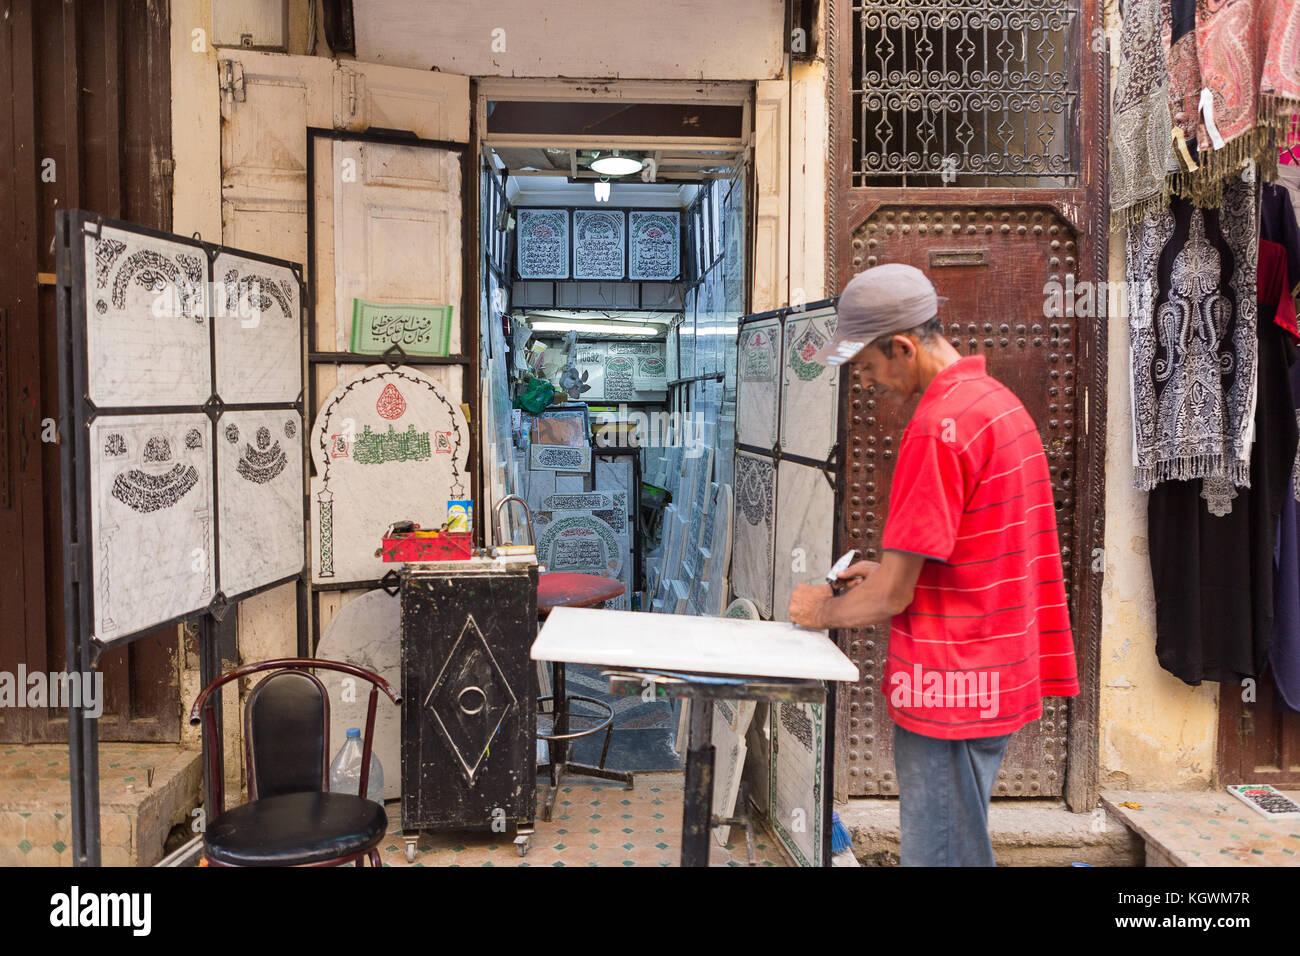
(565, 296)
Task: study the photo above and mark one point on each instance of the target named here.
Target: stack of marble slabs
(615, 478)
(711, 586)
(694, 503)
(675, 536)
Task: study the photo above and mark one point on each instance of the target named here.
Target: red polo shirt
(987, 635)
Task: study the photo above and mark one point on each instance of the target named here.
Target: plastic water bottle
(345, 771)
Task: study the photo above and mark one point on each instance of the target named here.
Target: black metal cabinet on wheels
(469, 752)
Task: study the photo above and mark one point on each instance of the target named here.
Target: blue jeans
(944, 788)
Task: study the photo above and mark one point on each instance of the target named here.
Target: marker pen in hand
(833, 575)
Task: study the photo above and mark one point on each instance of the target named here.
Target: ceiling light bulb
(616, 165)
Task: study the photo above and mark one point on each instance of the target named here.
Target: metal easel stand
(557, 742)
(702, 690)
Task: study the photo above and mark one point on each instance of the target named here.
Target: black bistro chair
(291, 818)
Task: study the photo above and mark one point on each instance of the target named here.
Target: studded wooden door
(992, 264)
(967, 139)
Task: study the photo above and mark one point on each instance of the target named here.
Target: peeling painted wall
(1154, 731)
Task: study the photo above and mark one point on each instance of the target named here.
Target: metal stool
(573, 590)
(566, 590)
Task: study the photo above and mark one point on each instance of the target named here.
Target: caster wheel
(410, 853)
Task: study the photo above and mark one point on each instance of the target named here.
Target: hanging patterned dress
(1211, 533)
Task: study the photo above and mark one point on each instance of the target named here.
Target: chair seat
(295, 829)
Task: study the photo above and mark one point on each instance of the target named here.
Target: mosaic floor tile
(1206, 829)
(594, 825)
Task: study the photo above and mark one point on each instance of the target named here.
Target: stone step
(1024, 833)
(135, 815)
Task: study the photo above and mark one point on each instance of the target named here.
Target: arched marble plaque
(388, 445)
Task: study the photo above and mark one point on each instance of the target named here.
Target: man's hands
(859, 571)
(807, 603)
(874, 594)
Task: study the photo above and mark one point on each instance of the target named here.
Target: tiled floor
(1206, 829)
(594, 825)
(137, 807)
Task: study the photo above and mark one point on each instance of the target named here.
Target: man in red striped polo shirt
(970, 571)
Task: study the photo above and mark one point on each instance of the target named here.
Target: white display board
(623, 371)
(151, 508)
(259, 481)
(599, 244)
(809, 390)
(257, 321)
(754, 530)
(177, 344)
(388, 445)
(796, 775)
(542, 243)
(366, 632)
(148, 335)
(786, 504)
(654, 238)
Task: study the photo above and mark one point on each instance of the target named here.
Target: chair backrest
(286, 734)
(288, 758)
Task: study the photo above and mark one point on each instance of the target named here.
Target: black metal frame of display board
(77, 412)
(466, 359)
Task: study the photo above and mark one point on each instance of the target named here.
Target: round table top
(566, 589)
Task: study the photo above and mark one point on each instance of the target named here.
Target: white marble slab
(805, 532)
(570, 484)
(258, 325)
(706, 645)
(146, 321)
(681, 595)
(700, 581)
(388, 445)
(558, 458)
(703, 490)
(580, 542)
(582, 501)
(716, 593)
(719, 534)
(758, 378)
(731, 720)
(796, 778)
(728, 765)
(753, 533)
(366, 632)
(742, 608)
(809, 390)
(151, 528)
(259, 498)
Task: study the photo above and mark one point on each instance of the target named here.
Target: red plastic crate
(421, 545)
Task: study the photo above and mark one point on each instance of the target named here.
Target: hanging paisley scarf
(1141, 155)
(1248, 58)
(1192, 315)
